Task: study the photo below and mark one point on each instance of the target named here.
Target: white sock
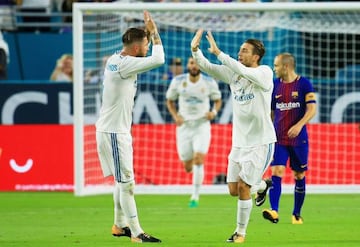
(128, 205)
(243, 215)
(119, 217)
(197, 181)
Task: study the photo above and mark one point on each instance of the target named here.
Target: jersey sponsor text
(287, 106)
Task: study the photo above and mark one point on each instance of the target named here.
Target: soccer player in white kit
(253, 134)
(113, 128)
(188, 101)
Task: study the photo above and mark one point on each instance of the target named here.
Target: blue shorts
(298, 156)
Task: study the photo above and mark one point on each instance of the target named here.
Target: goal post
(323, 36)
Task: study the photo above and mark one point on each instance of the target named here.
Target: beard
(194, 72)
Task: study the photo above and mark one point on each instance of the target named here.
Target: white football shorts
(193, 137)
(115, 153)
(249, 164)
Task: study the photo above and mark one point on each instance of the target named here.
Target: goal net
(324, 38)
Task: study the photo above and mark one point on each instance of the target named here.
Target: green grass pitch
(60, 219)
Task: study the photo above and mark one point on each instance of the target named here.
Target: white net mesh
(324, 43)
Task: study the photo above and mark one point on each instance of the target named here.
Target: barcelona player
(293, 106)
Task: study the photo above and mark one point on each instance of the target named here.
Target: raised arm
(138, 64)
(262, 77)
(219, 72)
(152, 28)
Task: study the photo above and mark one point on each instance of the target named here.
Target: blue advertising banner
(52, 103)
(34, 103)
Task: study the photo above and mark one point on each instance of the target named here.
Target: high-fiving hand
(213, 46)
(196, 40)
(149, 23)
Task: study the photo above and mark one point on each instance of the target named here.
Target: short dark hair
(134, 34)
(259, 48)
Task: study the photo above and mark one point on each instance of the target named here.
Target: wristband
(155, 35)
(214, 111)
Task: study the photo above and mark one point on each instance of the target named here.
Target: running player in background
(192, 93)
(293, 106)
(253, 135)
(113, 128)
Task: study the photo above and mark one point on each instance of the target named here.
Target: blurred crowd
(14, 13)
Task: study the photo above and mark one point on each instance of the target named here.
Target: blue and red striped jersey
(289, 106)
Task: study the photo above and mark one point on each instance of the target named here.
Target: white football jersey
(119, 89)
(251, 90)
(193, 98)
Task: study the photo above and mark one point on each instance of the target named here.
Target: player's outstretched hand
(149, 23)
(196, 40)
(213, 46)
